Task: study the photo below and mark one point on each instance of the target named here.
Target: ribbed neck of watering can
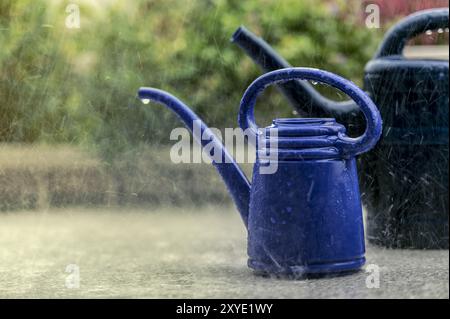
(300, 139)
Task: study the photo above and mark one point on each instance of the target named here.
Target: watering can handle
(413, 25)
(347, 145)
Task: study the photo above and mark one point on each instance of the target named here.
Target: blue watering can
(405, 178)
(305, 217)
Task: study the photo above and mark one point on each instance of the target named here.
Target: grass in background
(78, 86)
(44, 176)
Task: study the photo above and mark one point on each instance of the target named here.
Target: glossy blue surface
(305, 216)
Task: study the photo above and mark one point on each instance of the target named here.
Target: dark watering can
(405, 179)
(305, 215)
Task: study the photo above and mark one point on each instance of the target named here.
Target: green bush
(79, 85)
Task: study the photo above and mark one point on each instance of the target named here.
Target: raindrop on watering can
(145, 101)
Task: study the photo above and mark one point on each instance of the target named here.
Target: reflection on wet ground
(179, 253)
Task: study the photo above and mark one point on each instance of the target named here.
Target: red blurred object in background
(392, 10)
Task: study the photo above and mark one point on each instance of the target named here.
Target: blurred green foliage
(62, 85)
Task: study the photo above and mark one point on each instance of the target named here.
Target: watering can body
(406, 176)
(404, 181)
(316, 223)
(302, 210)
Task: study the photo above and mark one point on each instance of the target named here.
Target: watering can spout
(234, 178)
(301, 95)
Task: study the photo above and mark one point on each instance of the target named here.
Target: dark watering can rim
(396, 63)
(301, 139)
(304, 121)
(322, 128)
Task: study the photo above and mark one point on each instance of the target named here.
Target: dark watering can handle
(411, 26)
(348, 145)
